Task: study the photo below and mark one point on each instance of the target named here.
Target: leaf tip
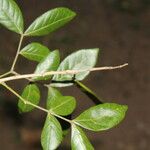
(125, 108)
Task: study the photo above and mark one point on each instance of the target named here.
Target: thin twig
(108, 67)
(15, 73)
(25, 76)
(26, 102)
(5, 74)
(22, 99)
(17, 53)
(58, 116)
(15, 59)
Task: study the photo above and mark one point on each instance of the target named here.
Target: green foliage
(97, 118)
(102, 117)
(11, 16)
(35, 51)
(51, 135)
(50, 21)
(61, 105)
(81, 60)
(31, 93)
(79, 141)
(49, 63)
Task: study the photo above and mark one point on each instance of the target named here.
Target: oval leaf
(35, 52)
(50, 63)
(51, 135)
(79, 141)
(31, 93)
(102, 117)
(61, 105)
(81, 60)
(50, 21)
(11, 16)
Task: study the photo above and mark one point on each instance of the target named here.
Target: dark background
(121, 29)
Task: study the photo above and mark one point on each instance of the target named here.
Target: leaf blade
(59, 104)
(51, 135)
(81, 60)
(102, 117)
(31, 93)
(50, 63)
(11, 16)
(53, 94)
(50, 21)
(79, 141)
(35, 52)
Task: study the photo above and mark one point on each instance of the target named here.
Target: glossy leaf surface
(35, 51)
(51, 135)
(102, 117)
(80, 60)
(50, 21)
(79, 141)
(61, 105)
(30, 93)
(11, 16)
(50, 63)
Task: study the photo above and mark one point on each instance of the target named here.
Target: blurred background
(121, 29)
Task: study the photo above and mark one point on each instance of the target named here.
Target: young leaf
(50, 63)
(50, 21)
(79, 141)
(80, 60)
(51, 135)
(11, 16)
(102, 117)
(30, 93)
(61, 105)
(35, 51)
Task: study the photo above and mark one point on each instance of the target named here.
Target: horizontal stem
(25, 76)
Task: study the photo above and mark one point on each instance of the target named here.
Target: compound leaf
(50, 21)
(61, 105)
(35, 51)
(31, 93)
(51, 135)
(79, 141)
(81, 60)
(102, 117)
(11, 16)
(49, 63)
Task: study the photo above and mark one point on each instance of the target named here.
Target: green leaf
(51, 135)
(53, 94)
(61, 105)
(102, 117)
(35, 51)
(50, 21)
(50, 63)
(79, 141)
(80, 60)
(11, 16)
(31, 93)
